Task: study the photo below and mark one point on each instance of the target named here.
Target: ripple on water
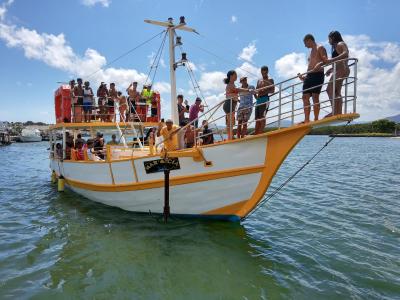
(331, 233)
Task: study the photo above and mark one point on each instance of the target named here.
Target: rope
(156, 59)
(269, 197)
(126, 53)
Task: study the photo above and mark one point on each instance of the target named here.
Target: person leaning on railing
(231, 101)
(340, 54)
(168, 132)
(265, 86)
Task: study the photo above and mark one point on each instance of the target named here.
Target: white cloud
(212, 81)
(104, 3)
(248, 52)
(3, 9)
(234, 19)
(291, 64)
(378, 74)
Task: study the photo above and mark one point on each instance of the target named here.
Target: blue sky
(43, 42)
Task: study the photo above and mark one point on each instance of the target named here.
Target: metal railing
(285, 106)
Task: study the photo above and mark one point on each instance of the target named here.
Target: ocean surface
(332, 233)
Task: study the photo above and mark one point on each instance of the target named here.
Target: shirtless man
(264, 87)
(78, 93)
(314, 80)
(113, 96)
(133, 96)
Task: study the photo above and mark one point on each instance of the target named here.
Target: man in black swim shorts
(314, 79)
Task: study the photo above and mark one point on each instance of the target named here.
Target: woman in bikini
(340, 53)
(232, 98)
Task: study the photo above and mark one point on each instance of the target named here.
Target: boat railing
(285, 106)
(138, 112)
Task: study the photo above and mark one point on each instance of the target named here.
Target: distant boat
(30, 135)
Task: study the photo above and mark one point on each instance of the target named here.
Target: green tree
(384, 125)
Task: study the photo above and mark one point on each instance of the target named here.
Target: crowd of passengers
(243, 95)
(163, 134)
(133, 107)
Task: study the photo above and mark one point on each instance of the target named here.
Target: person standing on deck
(87, 101)
(265, 86)
(194, 112)
(78, 93)
(170, 137)
(230, 103)
(102, 95)
(182, 109)
(340, 51)
(245, 108)
(314, 79)
(133, 97)
(113, 96)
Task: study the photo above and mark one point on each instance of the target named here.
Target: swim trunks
(313, 83)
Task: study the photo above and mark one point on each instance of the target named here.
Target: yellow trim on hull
(151, 184)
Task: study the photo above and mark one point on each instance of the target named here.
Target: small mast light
(183, 59)
(182, 20)
(178, 41)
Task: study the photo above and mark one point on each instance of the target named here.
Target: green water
(332, 233)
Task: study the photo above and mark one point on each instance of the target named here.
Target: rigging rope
(127, 52)
(156, 60)
(269, 197)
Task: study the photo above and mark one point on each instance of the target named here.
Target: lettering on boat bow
(159, 165)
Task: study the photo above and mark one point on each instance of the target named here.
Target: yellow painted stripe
(177, 180)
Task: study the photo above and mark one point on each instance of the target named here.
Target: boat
(5, 138)
(224, 180)
(30, 135)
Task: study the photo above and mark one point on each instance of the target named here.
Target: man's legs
(316, 106)
(307, 108)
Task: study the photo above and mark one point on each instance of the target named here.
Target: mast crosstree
(171, 27)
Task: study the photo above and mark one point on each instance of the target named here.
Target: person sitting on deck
(91, 153)
(98, 145)
(78, 93)
(113, 140)
(207, 134)
(189, 137)
(113, 95)
(69, 144)
(79, 139)
(79, 149)
(168, 132)
(265, 86)
(87, 101)
(245, 108)
(59, 151)
(194, 112)
(102, 94)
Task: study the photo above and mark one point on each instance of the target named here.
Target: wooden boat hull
(229, 188)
